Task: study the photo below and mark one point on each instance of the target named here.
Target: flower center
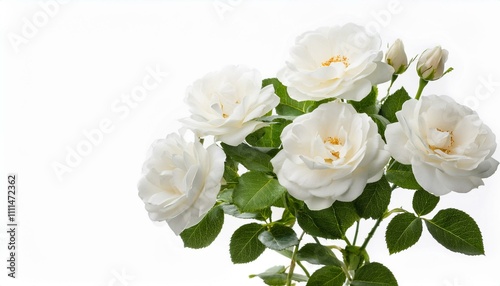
(441, 140)
(232, 106)
(336, 59)
(224, 115)
(333, 145)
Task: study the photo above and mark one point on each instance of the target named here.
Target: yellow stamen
(334, 141)
(337, 59)
(336, 154)
(447, 149)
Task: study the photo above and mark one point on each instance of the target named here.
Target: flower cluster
(318, 143)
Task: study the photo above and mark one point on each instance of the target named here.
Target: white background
(90, 227)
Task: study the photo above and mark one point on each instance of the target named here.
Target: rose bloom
(341, 61)
(225, 103)
(330, 154)
(447, 145)
(396, 57)
(430, 65)
(181, 181)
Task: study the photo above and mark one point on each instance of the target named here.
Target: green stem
(335, 247)
(370, 235)
(421, 86)
(356, 233)
(317, 240)
(346, 240)
(396, 210)
(304, 269)
(393, 79)
(292, 262)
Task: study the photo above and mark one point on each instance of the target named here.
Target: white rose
(396, 57)
(341, 61)
(330, 154)
(225, 103)
(446, 143)
(430, 65)
(181, 181)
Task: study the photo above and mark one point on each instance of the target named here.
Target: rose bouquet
(304, 157)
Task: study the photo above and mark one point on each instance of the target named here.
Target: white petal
(428, 179)
(396, 142)
(317, 204)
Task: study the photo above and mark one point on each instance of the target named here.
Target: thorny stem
(292, 262)
(377, 224)
(372, 232)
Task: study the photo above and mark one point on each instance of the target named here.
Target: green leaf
(374, 200)
(245, 245)
(402, 176)
(355, 256)
(374, 274)
(249, 157)
(424, 202)
(368, 104)
(457, 231)
(381, 123)
(230, 171)
(293, 204)
(287, 105)
(393, 104)
(280, 203)
(327, 276)
(279, 237)
(205, 232)
(318, 254)
(330, 223)
(225, 195)
(273, 276)
(268, 136)
(346, 214)
(256, 191)
(233, 210)
(287, 218)
(403, 231)
(277, 276)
